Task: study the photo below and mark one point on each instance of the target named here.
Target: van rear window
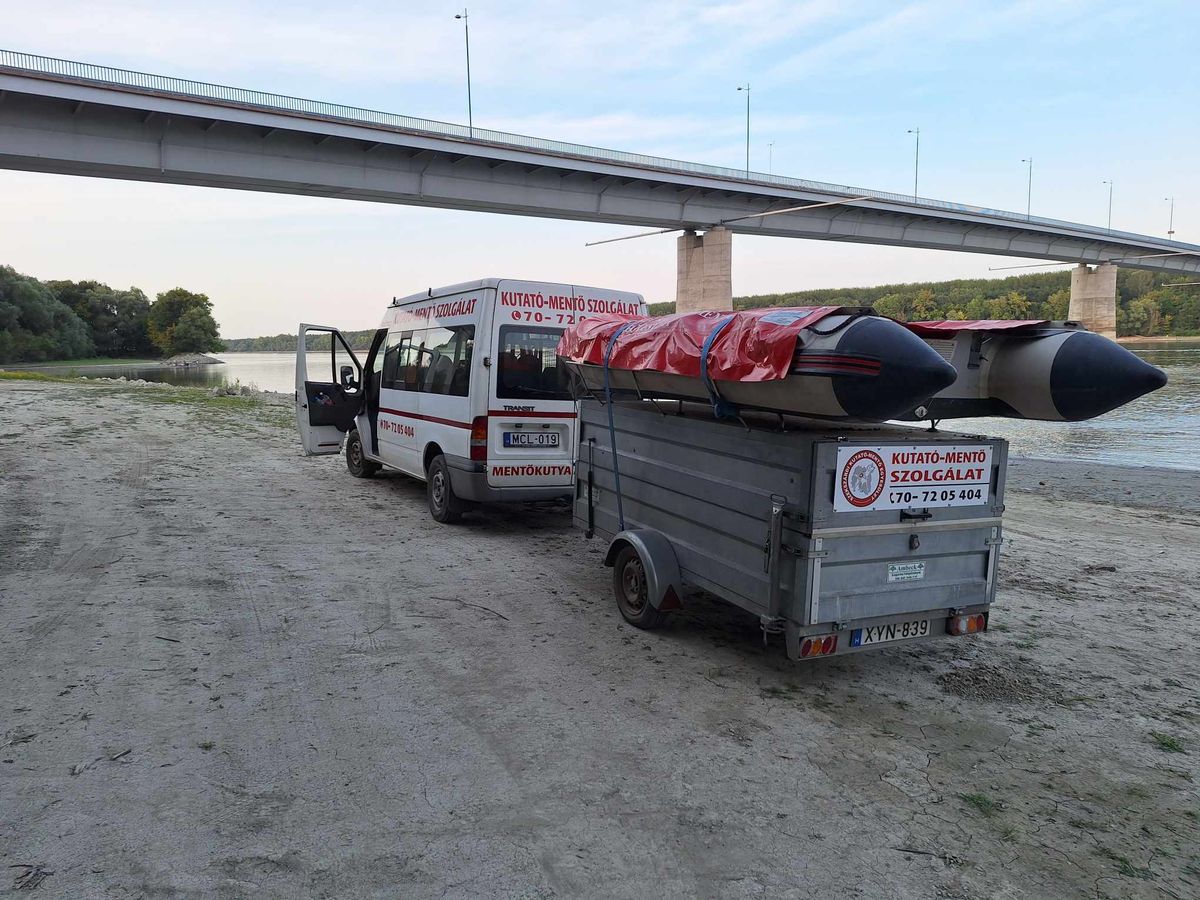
(528, 365)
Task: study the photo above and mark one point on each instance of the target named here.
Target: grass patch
(984, 804)
(1124, 866)
(1166, 743)
(8, 375)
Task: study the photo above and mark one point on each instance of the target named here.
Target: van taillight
(479, 430)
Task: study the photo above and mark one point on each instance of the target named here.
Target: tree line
(42, 321)
(358, 340)
(1146, 303)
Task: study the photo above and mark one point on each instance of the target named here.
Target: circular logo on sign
(863, 478)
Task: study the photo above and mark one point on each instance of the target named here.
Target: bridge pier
(1094, 298)
(704, 270)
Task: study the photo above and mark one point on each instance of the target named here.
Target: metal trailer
(780, 517)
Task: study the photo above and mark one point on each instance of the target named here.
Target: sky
(1091, 90)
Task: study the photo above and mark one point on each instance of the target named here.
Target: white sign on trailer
(907, 477)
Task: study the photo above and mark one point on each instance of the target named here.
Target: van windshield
(528, 365)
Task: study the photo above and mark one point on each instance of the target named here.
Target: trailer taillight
(818, 646)
(479, 435)
(966, 624)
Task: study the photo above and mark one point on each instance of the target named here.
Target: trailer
(841, 538)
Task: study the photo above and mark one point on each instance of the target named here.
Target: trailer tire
(356, 461)
(444, 506)
(629, 585)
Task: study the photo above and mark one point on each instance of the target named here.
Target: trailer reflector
(818, 646)
(972, 624)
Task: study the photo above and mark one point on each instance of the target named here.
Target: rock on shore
(186, 360)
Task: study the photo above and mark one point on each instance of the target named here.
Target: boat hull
(858, 367)
(1048, 372)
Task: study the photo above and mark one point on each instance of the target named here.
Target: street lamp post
(771, 158)
(467, 36)
(1171, 220)
(1110, 192)
(1029, 190)
(746, 88)
(916, 160)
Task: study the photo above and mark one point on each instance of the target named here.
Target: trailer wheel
(444, 506)
(629, 584)
(356, 461)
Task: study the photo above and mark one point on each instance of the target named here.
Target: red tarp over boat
(949, 326)
(757, 345)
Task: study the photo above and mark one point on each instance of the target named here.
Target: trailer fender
(664, 585)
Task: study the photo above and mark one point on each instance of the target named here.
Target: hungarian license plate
(531, 439)
(884, 634)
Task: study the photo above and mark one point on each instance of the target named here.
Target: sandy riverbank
(233, 671)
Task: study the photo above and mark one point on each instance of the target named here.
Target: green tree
(1013, 305)
(117, 319)
(181, 321)
(895, 306)
(34, 325)
(1056, 306)
(925, 306)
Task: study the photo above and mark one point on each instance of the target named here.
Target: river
(1160, 429)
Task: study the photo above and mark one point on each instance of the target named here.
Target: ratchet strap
(612, 429)
(722, 409)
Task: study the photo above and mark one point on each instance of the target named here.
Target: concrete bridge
(80, 119)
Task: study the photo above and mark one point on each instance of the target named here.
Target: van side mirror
(346, 374)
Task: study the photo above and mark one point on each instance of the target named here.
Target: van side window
(528, 364)
(431, 361)
(397, 362)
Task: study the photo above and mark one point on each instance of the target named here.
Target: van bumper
(469, 480)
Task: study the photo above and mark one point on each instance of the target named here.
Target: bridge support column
(1094, 298)
(704, 272)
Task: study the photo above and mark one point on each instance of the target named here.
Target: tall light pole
(1110, 190)
(916, 160)
(771, 158)
(467, 36)
(1171, 220)
(1029, 190)
(746, 88)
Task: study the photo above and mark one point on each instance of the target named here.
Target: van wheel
(443, 505)
(356, 461)
(629, 584)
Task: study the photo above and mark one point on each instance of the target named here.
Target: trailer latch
(803, 553)
(906, 516)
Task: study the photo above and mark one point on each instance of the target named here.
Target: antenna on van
(429, 293)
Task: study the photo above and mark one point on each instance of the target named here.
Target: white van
(459, 388)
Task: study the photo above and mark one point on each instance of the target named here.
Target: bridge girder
(74, 128)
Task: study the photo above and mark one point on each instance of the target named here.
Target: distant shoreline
(1159, 338)
(180, 361)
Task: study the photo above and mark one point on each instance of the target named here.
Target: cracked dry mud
(303, 718)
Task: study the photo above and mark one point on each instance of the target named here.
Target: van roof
(482, 283)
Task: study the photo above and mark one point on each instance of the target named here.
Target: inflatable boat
(1053, 371)
(826, 362)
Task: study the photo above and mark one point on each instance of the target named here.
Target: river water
(1160, 429)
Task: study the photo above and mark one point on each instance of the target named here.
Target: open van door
(328, 399)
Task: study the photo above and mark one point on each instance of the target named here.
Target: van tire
(629, 585)
(444, 506)
(356, 461)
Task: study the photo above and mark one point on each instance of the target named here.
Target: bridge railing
(182, 87)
